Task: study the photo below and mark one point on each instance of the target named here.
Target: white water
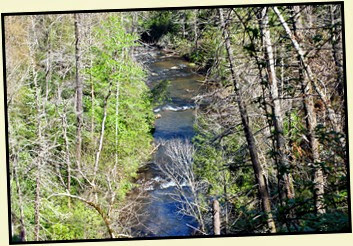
(160, 183)
(173, 108)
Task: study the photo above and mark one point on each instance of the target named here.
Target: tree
(311, 119)
(78, 79)
(263, 190)
(285, 183)
(177, 167)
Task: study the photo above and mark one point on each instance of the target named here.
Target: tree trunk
(134, 24)
(311, 120)
(79, 87)
(184, 23)
(285, 183)
(216, 218)
(91, 80)
(338, 59)
(260, 179)
(335, 48)
(196, 37)
(40, 113)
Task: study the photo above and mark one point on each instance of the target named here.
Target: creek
(159, 215)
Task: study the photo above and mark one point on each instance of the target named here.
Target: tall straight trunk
(285, 183)
(196, 37)
(336, 51)
(334, 42)
(259, 174)
(90, 77)
(338, 59)
(308, 102)
(79, 88)
(40, 113)
(184, 23)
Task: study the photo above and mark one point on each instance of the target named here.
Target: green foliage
(222, 165)
(80, 221)
(157, 25)
(160, 93)
(112, 67)
(207, 50)
(129, 111)
(328, 222)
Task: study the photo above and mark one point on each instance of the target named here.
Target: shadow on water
(160, 213)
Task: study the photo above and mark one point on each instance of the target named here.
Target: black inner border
(3, 15)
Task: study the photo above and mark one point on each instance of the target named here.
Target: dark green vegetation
(270, 143)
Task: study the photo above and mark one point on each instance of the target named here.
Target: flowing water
(160, 212)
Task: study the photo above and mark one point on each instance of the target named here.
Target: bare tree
(177, 167)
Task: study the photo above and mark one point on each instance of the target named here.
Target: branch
(308, 70)
(92, 204)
